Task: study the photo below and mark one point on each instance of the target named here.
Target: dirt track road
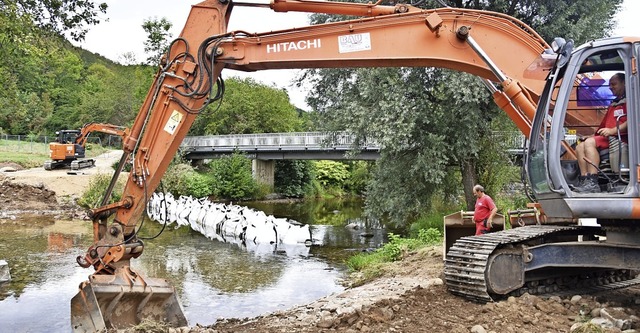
(64, 182)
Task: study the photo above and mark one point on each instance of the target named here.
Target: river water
(212, 279)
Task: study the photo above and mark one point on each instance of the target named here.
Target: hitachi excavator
(69, 148)
(552, 93)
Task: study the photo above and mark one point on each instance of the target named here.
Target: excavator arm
(102, 128)
(493, 46)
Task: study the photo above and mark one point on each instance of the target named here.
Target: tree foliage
(434, 124)
(158, 36)
(232, 179)
(56, 17)
(292, 177)
(249, 107)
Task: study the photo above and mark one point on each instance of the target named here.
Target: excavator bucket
(110, 302)
(460, 224)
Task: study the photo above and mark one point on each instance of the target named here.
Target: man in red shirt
(616, 117)
(484, 211)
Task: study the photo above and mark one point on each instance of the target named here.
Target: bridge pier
(263, 171)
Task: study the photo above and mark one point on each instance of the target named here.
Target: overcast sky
(123, 32)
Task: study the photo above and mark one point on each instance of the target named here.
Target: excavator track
(467, 260)
(81, 164)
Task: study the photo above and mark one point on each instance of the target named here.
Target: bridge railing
(294, 140)
(306, 141)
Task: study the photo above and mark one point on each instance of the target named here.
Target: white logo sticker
(354, 43)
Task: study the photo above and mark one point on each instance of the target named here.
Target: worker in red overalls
(484, 211)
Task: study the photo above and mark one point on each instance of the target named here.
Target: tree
(56, 17)
(437, 124)
(158, 36)
(248, 107)
(292, 177)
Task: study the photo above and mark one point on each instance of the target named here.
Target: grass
(371, 265)
(34, 154)
(26, 160)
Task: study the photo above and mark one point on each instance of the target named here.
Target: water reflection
(212, 279)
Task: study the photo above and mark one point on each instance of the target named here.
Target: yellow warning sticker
(173, 122)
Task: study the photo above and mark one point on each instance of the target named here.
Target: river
(212, 279)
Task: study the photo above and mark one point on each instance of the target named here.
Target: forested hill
(49, 84)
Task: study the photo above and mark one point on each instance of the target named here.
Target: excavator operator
(615, 119)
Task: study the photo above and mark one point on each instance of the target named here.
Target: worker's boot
(579, 184)
(590, 185)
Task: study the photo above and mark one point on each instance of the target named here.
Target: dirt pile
(23, 197)
(38, 191)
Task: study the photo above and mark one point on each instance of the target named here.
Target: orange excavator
(69, 148)
(551, 92)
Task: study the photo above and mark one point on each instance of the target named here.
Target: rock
(602, 322)
(5, 275)
(575, 299)
(478, 329)
(325, 322)
(595, 313)
(555, 299)
(616, 316)
(545, 307)
(352, 225)
(436, 282)
(382, 315)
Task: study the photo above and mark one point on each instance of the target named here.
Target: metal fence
(39, 144)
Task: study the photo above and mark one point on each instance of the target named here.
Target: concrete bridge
(265, 148)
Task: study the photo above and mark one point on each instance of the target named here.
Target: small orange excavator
(69, 148)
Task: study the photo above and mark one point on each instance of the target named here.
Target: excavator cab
(67, 136)
(575, 103)
(65, 149)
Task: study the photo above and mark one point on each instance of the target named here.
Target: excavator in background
(549, 91)
(69, 148)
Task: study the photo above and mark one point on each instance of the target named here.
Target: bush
(198, 185)
(293, 178)
(359, 176)
(182, 179)
(231, 177)
(433, 219)
(430, 236)
(331, 174)
(175, 179)
(397, 246)
(92, 197)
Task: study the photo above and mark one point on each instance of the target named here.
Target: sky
(123, 32)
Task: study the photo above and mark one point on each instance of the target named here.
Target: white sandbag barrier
(230, 223)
